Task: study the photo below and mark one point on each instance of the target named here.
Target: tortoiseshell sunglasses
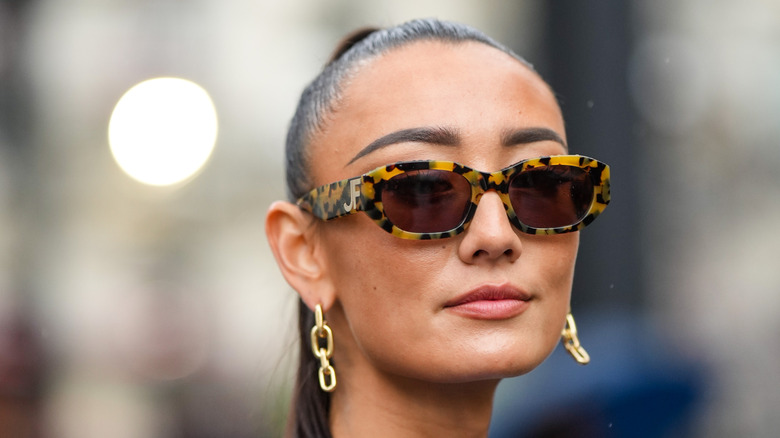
(437, 199)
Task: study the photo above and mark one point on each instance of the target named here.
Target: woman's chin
(470, 371)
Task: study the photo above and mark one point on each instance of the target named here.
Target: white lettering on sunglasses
(354, 192)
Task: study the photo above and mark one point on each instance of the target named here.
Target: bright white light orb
(163, 130)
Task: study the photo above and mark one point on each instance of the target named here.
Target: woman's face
(400, 307)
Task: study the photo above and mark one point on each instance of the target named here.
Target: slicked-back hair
(311, 406)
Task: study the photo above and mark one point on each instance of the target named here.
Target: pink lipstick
(490, 302)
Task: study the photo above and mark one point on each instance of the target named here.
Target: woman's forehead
(432, 65)
(470, 87)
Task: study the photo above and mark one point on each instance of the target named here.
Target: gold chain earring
(572, 342)
(322, 331)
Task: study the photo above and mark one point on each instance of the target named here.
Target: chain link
(318, 332)
(572, 342)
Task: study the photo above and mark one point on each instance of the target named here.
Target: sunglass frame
(351, 195)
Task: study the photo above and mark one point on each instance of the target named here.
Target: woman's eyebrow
(433, 135)
(530, 135)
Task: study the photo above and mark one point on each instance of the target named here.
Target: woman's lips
(490, 302)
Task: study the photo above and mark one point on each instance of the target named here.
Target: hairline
(361, 64)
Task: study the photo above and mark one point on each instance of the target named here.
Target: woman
(468, 276)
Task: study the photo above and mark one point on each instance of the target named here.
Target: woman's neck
(380, 406)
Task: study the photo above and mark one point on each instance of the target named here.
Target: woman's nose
(490, 236)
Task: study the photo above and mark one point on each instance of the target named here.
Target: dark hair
(310, 408)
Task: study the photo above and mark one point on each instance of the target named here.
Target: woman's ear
(296, 248)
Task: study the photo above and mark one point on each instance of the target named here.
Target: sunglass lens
(551, 196)
(426, 201)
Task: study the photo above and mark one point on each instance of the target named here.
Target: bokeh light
(163, 130)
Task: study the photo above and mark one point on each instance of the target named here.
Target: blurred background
(155, 309)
